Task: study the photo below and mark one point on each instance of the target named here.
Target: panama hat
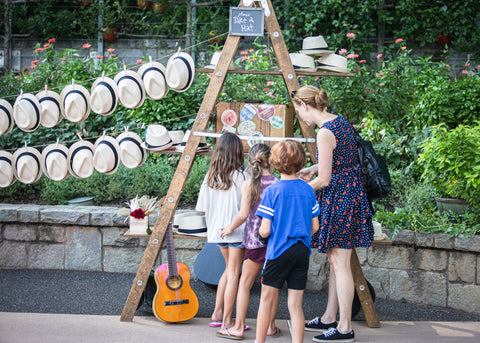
(27, 162)
(6, 117)
(302, 62)
(180, 71)
(104, 96)
(26, 112)
(202, 146)
(176, 136)
(50, 109)
(153, 77)
(315, 46)
(132, 154)
(131, 90)
(333, 62)
(193, 225)
(106, 155)
(7, 177)
(75, 102)
(157, 138)
(181, 214)
(80, 159)
(55, 162)
(214, 62)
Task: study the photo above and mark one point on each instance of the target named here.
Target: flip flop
(228, 335)
(246, 328)
(276, 334)
(216, 324)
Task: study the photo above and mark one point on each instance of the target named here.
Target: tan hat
(131, 90)
(104, 96)
(26, 112)
(333, 62)
(75, 102)
(193, 225)
(176, 136)
(106, 155)
(202, 146)
(302, 62)
(214, 62)
(50, 109)
(6, 117)
(7, 175)
(80, 159)
(315, 46)
(55, 162)
(132, 154)
(180, 71)
(27, 162)
(153, 76)
(180, 214)
(157, 138)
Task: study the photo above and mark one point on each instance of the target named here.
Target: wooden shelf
(175, 235)
(174, 152)
(276, 72)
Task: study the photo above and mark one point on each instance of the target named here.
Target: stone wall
(417, 268)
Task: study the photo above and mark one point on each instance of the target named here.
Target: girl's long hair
(258, 160)
(226, 158)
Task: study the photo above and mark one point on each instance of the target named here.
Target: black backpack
(375, 175)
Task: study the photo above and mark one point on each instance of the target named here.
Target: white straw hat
(202, 146)
(80, 159)
(50, 109)
(7, 175)
(193, 225)
(333, 62)
(315, 46)
(55, 162)
(176, 136)
(26, 112)
(131, 90)
(106, 155)
(302, 62)
(180, 71)
(75, 102)
(153, 76)
(214, 62)
(27, 162)
(178, 215)
(6, 117)
(157, 138)
(104, 96)
(132, 154)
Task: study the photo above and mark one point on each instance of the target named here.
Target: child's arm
(315, 225)
(265, 227)
(242, 214)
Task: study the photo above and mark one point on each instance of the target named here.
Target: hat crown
(6, 169)
(6, 117)
(105, 157)
(131, 90)
(27, 165)
(26, 112)
(334, 62)
(302, 61)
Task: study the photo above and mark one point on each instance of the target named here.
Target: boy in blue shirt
(289, 212)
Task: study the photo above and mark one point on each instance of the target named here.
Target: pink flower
(380, 74)
(362, 61)
(465, 72)
(342, 51)
(243, 52)
(86, 46)
(64, 59)
(355, 56)
(269, 83)
(478, 66)
(265, 89)
(251, 50)
(33, 66)
(398, 40)
(379, 56)
(37, 50)
(350, 35)
(51, 40)
(110, 49)
(139, 61)
(46, 45)
(466, 65)
(243, 58)
(350, 56)
(35, 61)
(112, 55)
(100, 57)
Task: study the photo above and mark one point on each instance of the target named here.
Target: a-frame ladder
(186, 161)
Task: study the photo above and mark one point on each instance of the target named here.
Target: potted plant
(159, 6)
(451, 162)
(109, 34)
(144, 4)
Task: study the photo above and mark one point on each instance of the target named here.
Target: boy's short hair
(288, 157)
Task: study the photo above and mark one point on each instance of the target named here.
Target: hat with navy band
(132, 154)
(106, 155)
(6, 117)
(180, 71)
(315, 46)
(26, 112)
(50, 108)
(27, 162)
(75, 102)
(153, 76)
(7, 176)
(157, 138)
(80, 159)
(131, 90)
(55, 162)
(333, 62)
(104, 96)
(302, 62)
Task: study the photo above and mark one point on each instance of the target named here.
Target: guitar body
(175, 300)
(209, 265)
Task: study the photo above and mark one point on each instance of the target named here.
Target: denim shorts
(231, 245)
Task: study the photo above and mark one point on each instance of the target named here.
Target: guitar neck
(172, 259)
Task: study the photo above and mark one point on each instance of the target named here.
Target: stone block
(443, 241)
(186, 243)
(468, 243)
(117, 260)
(379, 278)
(478, 270)
(101, 218)
(46, 256)
(113, 236)
(404, 237)
(431, 260)
(362, 254)
(48, 233)
(19, 232)
(464, 297)
(188, 257)
(83, 249)
(394, 257)
(424, 239)
(318, 272)
(13, 255)
(461, 267)
(418, 287)
(8, 213)
(119, 220)
(28, 213)
(73, 215)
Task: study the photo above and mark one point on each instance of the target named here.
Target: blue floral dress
(345, 214)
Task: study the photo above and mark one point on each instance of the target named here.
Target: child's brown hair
(258, 160)
(288, 157)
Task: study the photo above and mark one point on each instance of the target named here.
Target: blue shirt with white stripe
(290, 205)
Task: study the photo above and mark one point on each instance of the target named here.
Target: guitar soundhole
(174, 282)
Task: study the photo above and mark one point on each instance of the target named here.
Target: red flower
(138, 213)
(51, 40)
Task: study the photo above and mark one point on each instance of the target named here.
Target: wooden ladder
(188, 156)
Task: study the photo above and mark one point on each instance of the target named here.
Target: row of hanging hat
(47, 108)
(328, 60)
(58, 162)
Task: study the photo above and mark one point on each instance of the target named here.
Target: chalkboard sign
(246, 21)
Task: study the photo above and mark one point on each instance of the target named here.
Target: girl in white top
(219, 199)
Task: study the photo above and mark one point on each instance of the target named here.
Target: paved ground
(68, 306)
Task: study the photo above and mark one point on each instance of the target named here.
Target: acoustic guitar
(174, 301)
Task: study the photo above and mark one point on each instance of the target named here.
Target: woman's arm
(242, 215)
(325, 145)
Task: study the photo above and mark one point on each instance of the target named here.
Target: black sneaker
(333, 335)
(316, 325)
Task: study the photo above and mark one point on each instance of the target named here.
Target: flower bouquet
(140, 208)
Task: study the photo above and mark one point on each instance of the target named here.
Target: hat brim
(331, 68)
(32, 152)
(133, 137)
(316, 52)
